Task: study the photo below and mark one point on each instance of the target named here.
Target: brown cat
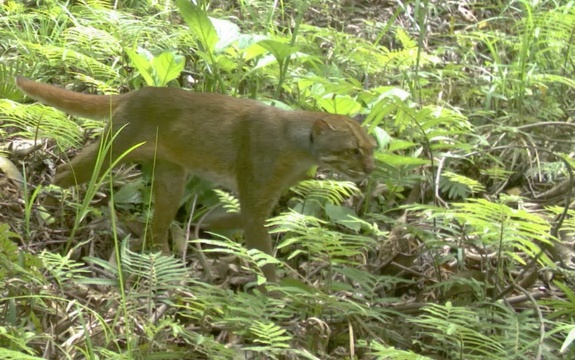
(244, 145)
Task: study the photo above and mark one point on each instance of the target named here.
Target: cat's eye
(357, 152)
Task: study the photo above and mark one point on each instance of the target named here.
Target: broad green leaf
(310, 208)
(263, 62)
(278, 49)
(253, 51)
(227, 32)
(383, 138)
(206, 56)
(343, 105)
(399, 144)
(248, 40)
(143, 65)
(296, 285)
(247, 44)
(129, 193)
(226, 64)
(342, 215)
(167, 67)
(397, 160)
(200, 24)
(386, 92)
(313, 84)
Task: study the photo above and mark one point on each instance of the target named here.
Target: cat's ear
(360, 118)
(320, 127)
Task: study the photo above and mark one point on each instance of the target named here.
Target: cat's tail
(83, 105)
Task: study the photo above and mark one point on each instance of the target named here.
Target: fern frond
(63, 268)
(251, 256)
(381, 351)
(562, 307)
(39, 121)
(407, 56)
(334, 192)
(368, 284)
(99, 4)
(228, 201)
(58, 55)
(497, 224)
(98, 42)
(155, 272)
(459, 186)
(459, 330)
(554, 27)
(102, 87)
(270, 335)
(491, 330)
(317, 241)
(406, 41)
(295, 222)
(129, 29)
(8, 70)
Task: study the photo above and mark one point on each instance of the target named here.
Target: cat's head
(342, 145)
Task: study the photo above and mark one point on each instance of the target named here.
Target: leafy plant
(460, 331)
(270, 337)
(443, 86)
(38, 122)
(157, 70)
(315, 241)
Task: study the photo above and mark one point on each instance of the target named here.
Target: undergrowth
(459, 246)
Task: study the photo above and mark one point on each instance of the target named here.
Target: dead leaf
(11, 171)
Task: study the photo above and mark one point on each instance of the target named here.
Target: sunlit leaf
(344, 105)
(278, 49)
(167, 66)
(143, 65)
(200, 24)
